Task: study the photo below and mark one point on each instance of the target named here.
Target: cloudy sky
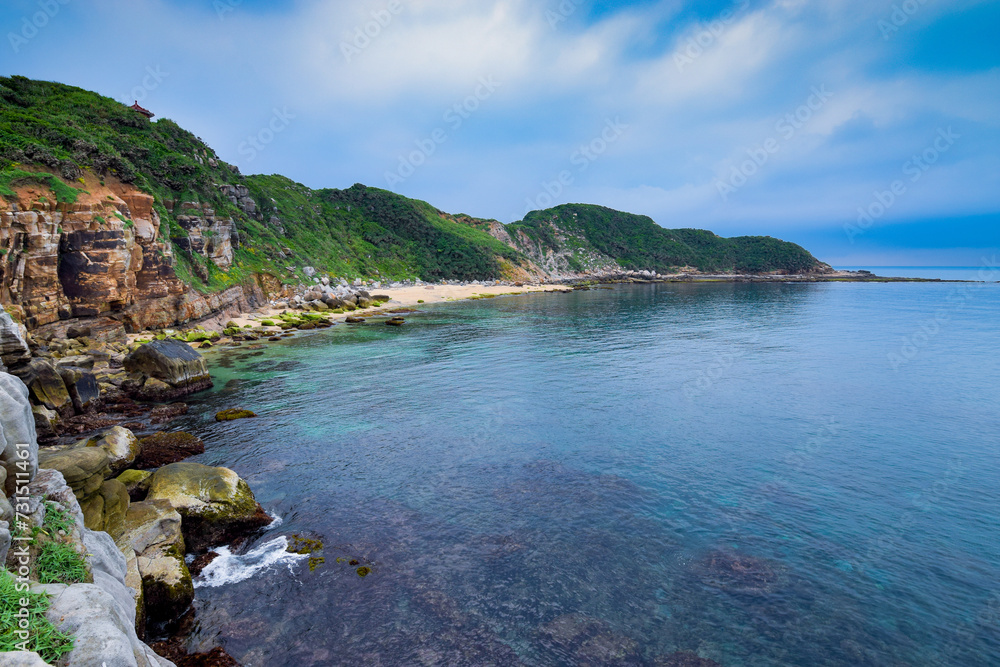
(866, 130)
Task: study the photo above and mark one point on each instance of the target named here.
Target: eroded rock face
(13, 348)
(105, 257)
(216, 505)
(17, 427)
(173, 363)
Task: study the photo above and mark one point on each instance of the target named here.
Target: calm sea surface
(759, 474)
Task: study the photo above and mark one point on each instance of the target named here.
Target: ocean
(758, 474)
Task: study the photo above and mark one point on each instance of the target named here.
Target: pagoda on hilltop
(138, 109)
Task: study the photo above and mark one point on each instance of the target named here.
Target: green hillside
(636, 242)
(52, 134)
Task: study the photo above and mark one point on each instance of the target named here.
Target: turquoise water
(759, 474)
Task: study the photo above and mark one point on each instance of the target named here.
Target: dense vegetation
(51, 134)
(636, 242)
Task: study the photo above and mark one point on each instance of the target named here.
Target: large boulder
(46, 386)
(81, 385)
(121, 445)
(84, 468)
(17, 428)
(172, 363)
(216, 505)
(13, 348)
(153, 532)
(103, 628)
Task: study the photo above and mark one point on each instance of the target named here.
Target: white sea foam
(275, 521)
(230, 568)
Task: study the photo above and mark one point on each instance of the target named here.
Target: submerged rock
(232, 414)
(684, 659)
(164, 448)
(217, 506)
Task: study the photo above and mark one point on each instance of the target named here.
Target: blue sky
(868, 131)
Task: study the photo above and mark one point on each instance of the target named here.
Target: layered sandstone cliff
(107, 256)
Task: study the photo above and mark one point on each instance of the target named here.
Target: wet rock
(232, 414)
(395, 322)
(46, 386)
(167, 447)
(165, 413)
(201, 562)
(171, 362)
(216, 505)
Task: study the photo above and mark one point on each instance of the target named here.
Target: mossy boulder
(152, 529)
(84, 468)
(232, 414)
(136, 483)
(105, 510)
(217, 506)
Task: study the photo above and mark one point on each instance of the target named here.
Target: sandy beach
(407, 297)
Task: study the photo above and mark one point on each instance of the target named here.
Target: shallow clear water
(761, 474)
